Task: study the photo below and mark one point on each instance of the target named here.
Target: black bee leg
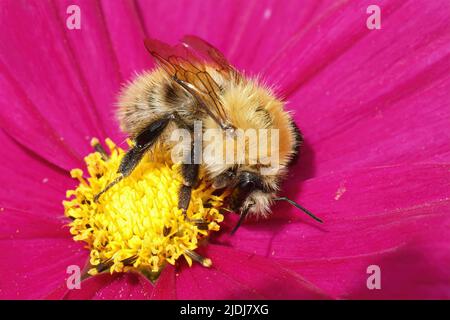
(184, 197)
(143, 142)
(241, 219)
(189, 172)
(190, 177)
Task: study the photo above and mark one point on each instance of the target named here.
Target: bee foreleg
(143, 141)
(242, 217)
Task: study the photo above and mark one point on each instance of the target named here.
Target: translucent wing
(186, 64)
(209, 53)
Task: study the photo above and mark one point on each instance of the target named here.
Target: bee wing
(186, 64)
(209, 53)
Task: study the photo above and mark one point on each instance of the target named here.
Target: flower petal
(370, 97)
(351, 202)
(33, 268)
(165, 288)
(231, 25)
(36, 251)
(43, 104)
(367, 212)
(113, 287)
(29, 182)
(54, 108)
(108, 50)
(239, 275)
(127, 33)
(416, 270)
(20, 225)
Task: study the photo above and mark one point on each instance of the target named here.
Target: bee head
(252, 195)
(252, 191)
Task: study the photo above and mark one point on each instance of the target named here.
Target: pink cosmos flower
(373, 105)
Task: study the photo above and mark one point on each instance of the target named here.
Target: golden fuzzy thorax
(247, 104)
(250, 105)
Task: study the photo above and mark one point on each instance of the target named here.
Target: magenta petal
(368, 215)
(108, 50)
(30, 182)
(33, 268)
(165, 288)
(239, 275)
(127, 33)
(57, 294)
(416, 270)
(36, 252)
(230, 25)
(22, 225)
(371, 97)
(276, 23)
(90, 287)
(113, 287)
(44, 106)
(58, 85)
(354, 206)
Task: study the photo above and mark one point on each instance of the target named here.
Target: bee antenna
(295, 204)
(109, 186)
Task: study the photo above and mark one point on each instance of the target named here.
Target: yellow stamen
(137, 224)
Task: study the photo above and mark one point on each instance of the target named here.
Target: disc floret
(136, 225)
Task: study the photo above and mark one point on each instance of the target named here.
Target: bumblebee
(194, 83)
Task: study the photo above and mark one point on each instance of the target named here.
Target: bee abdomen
(147, 98)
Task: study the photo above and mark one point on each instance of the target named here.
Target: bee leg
(143, 141)
(190, 177)
(200, 223)
(189, 172)
(242, 217)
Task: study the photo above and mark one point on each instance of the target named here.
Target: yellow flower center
(136, 224)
